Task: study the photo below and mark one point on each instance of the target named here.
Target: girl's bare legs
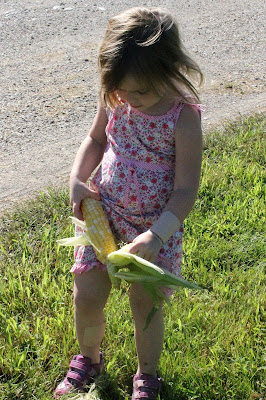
(91, 291)
(149, 343)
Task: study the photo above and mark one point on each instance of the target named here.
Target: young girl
(147, 135)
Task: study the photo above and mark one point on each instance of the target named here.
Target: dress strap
(200, 107)
(191, 101)
(179, 106)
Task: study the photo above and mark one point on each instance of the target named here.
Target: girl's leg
(149, 343)
(91, 291)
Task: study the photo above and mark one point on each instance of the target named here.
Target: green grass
(215, 341)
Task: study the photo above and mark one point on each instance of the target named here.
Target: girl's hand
(79, 191)
(146, 245)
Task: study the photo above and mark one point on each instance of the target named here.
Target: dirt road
(48, 78)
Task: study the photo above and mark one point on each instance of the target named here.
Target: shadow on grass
(104, 388)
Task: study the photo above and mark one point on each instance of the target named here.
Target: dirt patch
(49, 77)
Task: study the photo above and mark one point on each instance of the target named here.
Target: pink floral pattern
(135, 181)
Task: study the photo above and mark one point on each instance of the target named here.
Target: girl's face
(136, 94)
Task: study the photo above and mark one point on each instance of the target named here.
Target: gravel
(49, 80)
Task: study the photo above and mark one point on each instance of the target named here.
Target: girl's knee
(91, 290)
(140, 301)
(87, 301)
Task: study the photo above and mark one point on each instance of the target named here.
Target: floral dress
(135, 181)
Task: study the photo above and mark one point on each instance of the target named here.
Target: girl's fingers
(77, 211)
(134, 248)
(145, 246)
(93, 195)
(140, 251)
(85, 192)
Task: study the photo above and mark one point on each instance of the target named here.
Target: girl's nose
(129, 97)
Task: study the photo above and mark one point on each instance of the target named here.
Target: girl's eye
(143, 92)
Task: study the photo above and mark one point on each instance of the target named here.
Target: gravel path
(48, 77)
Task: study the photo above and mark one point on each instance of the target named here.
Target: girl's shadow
(104, 388)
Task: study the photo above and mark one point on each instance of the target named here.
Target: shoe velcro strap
(153, 385)
(143, 396)
(85, 368)
(77, 377)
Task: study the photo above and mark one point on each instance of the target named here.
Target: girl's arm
(188, 138)
(87, 159)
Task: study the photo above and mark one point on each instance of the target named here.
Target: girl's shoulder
(191, 101)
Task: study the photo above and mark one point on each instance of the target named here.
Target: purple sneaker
(81, 373)
(146, 387)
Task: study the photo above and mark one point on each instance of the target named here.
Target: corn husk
(132, 268)
(87, 239)
(143, 271)
(82, 240)
(122, 265)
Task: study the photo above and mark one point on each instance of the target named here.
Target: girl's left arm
(188, 148)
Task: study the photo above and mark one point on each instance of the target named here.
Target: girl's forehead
(131, 84)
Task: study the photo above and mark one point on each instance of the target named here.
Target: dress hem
(79, 268)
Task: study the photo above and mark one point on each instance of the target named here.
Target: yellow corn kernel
(98, 229)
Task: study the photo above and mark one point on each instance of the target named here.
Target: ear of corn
(97, 232)
(97, 229)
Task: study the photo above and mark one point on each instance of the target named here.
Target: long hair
(146, 44)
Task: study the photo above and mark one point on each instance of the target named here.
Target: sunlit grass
(214, 344)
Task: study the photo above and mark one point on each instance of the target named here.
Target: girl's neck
(164, 105)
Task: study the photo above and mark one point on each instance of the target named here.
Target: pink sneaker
(81, 373)
(146, 387)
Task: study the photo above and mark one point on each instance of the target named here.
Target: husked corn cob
(98, 229)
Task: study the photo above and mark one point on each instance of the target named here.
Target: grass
(214, 343)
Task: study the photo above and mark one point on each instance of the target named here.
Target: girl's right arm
(87, 159)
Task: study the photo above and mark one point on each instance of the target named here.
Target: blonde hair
(146, 44)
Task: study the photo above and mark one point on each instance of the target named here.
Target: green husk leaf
(133, 268)
(152, 291)
(156, 293)
(78, 222)
(112, 270)
(165, 278)
(150, 317)
(83, 240)
(131, 276)
(74, 241)
(119, 259)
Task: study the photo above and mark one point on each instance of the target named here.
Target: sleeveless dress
(135, 181)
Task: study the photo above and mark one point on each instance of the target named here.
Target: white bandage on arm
(93, 335)
(165, 226)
